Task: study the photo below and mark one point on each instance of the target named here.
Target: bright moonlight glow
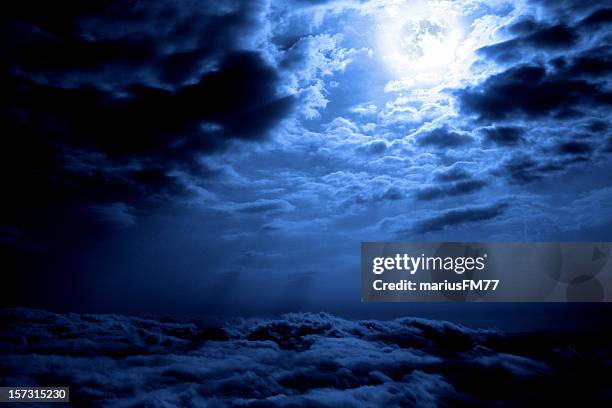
(419, 42)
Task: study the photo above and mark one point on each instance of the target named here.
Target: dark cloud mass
(443, 138)
(237, 100)
(556, 73)
(531, 91)
(461, 216)
(536, 37)
(99, 110)
(167, 39)
(452, 174)
(601, 16)
(570, 83)
(575, 148)
(521, 169)
(455, 189)
(298, 360)
(504, 135)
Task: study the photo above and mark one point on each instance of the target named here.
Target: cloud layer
(297, 360)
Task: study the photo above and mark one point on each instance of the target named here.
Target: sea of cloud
(298, 360)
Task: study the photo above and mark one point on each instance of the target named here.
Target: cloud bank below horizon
(298, 360)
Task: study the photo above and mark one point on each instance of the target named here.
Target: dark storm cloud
(574, 10)
(442, 138)
(461, 216)
(531, 92)
(90, 119)
(521, 169)
(173, 39)
(236, 101)
(556, 74)
(522, 27)
(561, 67)
(297, 360)
(575, 148)
(453, 173)
(590, 65)
(601, 16)
(548, 34)
(92, 146)
(555, 37)
(450, 190)
(503, 135)
(597, 126)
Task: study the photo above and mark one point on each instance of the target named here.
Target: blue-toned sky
(229, 157)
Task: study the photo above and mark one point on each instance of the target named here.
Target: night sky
(228, 157)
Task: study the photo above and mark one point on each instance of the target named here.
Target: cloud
(601, 16)
(376, 147)
(592, 64)
(393, 193)
(523, 169)
(300, 359)
(461, 216)
(133, 146)
(532, 92)
(118, 213)
(503, 135)
(119, 102)
(575, 148)
(162, 41)
(260, 206)
(455, 189)
(537, 37)
(239, 99)
(519, 366)
(453, 173)
(442, 138)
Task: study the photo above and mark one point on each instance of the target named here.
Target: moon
(418, 38)
(420, 45)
